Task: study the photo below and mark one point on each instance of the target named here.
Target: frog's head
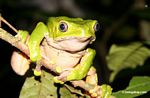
(71, 34)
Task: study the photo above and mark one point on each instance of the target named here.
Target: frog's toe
(37, 73)
(56, 80)
(96, 92)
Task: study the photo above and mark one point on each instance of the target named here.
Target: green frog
(63, 43)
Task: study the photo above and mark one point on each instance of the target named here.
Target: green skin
(74, 30)
(82, 31)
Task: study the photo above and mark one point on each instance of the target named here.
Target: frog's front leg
(34, 42)
(81, 70)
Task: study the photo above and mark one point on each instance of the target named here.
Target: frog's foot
(96, 92)
(103, 91)
(37, 70)
(62, 77)
(56, 80)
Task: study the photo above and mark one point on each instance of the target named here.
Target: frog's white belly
(63, 59)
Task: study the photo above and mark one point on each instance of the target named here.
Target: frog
(63, 42)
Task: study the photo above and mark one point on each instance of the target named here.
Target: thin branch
(14, 41)
(7, 23)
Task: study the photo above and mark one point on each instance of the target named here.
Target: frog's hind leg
(92, 79)
(20, 62)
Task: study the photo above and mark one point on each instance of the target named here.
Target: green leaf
(138, 86)
(45, 88)
(127, 56)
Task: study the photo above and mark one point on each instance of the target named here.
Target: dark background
(120, 20)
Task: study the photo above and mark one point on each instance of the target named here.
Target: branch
(14, 41)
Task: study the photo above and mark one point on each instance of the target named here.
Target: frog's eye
(63, 27)
(96, 26)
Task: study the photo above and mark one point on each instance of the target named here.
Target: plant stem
(7, 23)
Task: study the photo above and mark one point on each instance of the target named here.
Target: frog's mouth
(80, 39)
(71, 44)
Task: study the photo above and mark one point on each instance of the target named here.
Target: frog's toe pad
(56, 80)
(96, 91)
(37, 73)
